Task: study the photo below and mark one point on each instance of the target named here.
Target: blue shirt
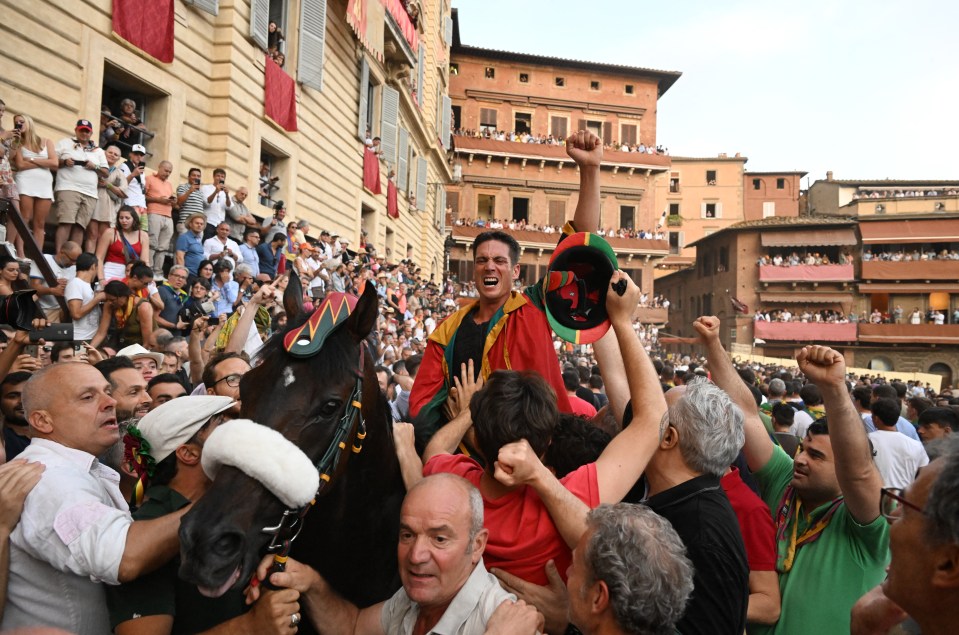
(902, 425)
(192, 247)
(250, 257)
(228, 293)
(268, 258)
(172, 302)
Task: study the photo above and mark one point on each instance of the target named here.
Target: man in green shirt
(166, 446)
(832, 542)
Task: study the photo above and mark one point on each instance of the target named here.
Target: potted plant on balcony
(674, 220)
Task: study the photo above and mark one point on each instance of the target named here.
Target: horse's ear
(293, 297)
(363, 318)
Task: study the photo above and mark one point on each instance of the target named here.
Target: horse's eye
(329, 408)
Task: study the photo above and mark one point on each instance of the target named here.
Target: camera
(207, 307)
(196, 181)
(142, 164)
(213, 321)
(18, 125)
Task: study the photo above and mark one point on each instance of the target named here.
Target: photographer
(275, 225)
(134, 170)
(216, 201)
(174, 298)
(189, 200)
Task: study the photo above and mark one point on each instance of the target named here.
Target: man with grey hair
(160, 199)
(446, 588)
(239, 216)
(630, 573)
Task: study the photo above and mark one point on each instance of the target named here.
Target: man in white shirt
(83, 303)
(221, 247)
(76, 531)
(64, 269)
(216, 201)
(133, 170)
(898, 457)
(81, 165)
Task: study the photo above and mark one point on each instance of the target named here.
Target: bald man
(160, 201)
(64, 267)
(76, 529)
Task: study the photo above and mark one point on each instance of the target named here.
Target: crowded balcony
(532, 234)
(909, 333)
(546, 148)
(792, 331)
(912, 250)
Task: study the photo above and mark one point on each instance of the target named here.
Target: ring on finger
(294, 620)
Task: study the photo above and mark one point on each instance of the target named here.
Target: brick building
(500, 98)
(350, 65)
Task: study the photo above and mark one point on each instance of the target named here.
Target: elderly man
(825, 503)
(81, 165)
(159, 602)
(76, 532)
(630, 573)
(64, 267)
(923, 574)
(446, 588)
(239, 216)
(174, 296)
(160, 200)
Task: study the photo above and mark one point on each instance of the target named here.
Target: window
(707, 304)
(522, 122)
(558, 126)
(489, 73)
(520, 209)
(710, 210)
(674, 183)
(488, 119)
(757, 184)
(457, 117)
(389, 123)
(485, 206)
(453, 202)
(596, 127)
(780, 184)
(627, 134)
(710, 177)
(675, 242)
(273, 168)
(594, 85)
(769, 209)
(557, 213)
(150, 108)
(524, 78)
(723, 260)
(627, 214)
(454, 68)
(560, 82)
(630, 89)
(365, 125)
(674, 209)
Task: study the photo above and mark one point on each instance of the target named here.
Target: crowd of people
(916, 255)
(794, 259)
(594, 488)
(487, 132)
(522, 225)
(900, 193)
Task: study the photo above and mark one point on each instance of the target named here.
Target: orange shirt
(160, 189)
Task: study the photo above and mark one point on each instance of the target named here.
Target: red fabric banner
(392, 203)
(371, 171)
(280, 99)
(147, 25)
(807, 273)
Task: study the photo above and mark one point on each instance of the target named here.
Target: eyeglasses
(890, 500)
(233, 381)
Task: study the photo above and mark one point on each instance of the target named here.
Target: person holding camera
(134, 170)
(189, 200)
(160, 200)
(275, 225)
(82, 165)
(216, 202)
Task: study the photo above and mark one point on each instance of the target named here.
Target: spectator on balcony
(82, 164)
(160, 200)
(189, 200)
(110, 127)
(267, 184)
(897, 314)
(274, 37)
(134, 129)
(916, 316)
(33, 158)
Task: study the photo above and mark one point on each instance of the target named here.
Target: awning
(911, 231)
(809, 238)
(805, 298)
(885, 287)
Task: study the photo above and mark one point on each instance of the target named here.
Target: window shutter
(389, 123)
(557, 213)
(702, 210)
(445, 129)
(364, 97)
(210, 6)
(402, 171)
(260, 21)
(607, 132)
(309, 69)
(421, 169)
(439, 215)
(448, 32)
(682, 240)
(420, 69)
(719, 210)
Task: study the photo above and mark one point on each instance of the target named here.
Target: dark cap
(279, 205)
(84, 124)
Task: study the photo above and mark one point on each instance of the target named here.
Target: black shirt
(468, 345)
(14, 442)
(703, 517)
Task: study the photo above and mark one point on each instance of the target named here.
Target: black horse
(350, 534)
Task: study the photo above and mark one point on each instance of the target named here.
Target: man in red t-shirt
(532, 516)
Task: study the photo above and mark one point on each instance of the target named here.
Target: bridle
(291, 522)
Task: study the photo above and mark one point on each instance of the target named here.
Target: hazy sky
(866, 89)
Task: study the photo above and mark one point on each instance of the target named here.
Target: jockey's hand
(621, 307)
(517, 464)
(515, 618)
(552, 600)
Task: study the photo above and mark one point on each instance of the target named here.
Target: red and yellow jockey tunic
(518, 338)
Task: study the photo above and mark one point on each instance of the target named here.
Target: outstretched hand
(822, 365)
(585, 148)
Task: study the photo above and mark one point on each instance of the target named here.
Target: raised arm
(858, 477)
(759, 447)
(610, 360)
(625, 458)
(586, 149)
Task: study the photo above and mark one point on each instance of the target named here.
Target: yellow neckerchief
(790, 511)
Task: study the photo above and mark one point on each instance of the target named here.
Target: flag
(146, 25)
(662, 220)
(280, 96)
(738, 306)
(392, 205)
(371, 170)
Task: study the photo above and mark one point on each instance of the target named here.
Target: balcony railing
(807, 273)
(805, 331)
(909, 333)
(910, 270)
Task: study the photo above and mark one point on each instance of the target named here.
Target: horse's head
(303, 398)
